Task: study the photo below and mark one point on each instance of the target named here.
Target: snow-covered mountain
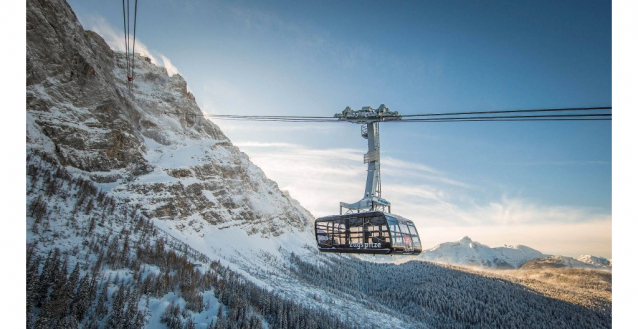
(593, 260)
(584, 261)
(141, 213)
(466, 252)
(103, 159)
(150, 148)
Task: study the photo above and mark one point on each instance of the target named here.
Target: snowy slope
(150, 148)
(199, 187)
(466, 252)
(564, 262)
(593, 260)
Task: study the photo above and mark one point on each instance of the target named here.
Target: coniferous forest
(123, 261)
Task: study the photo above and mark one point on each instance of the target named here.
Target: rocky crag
(150, 147)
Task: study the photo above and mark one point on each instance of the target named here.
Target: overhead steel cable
(265, 116)
(486, 120)
(129, 49)
(512, 111)
(514, 117)
(582, 114)
(279, 120)
(124, 7)
(134, 32)
(597, 116)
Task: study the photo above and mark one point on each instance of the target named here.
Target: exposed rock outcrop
(150, 147)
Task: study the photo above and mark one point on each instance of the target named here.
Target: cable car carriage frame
(371, 232)
(367, 228)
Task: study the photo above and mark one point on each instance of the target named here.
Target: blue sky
(546, 185)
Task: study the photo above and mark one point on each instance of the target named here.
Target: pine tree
(32, 286)
(44, 319)
(74, 277)
(102, 307)
(31, 252)
(131, 310)
(61, 294)
(94, 287)
(92, 322)
(82, 299)
(189, 324)
(45, 280)
(91, 224)
(116, 317)
(222, 321)
(68, 322)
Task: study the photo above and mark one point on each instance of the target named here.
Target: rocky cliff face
(151, 147)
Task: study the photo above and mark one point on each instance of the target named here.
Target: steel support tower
(369, 119)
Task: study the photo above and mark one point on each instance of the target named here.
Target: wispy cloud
(115, 39)
(559, 163)
(321, 178)
(392, 166)
(405, 165)
(170, 68)
(519, 211)
(264, 144)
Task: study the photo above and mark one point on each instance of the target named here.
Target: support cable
(129, 49)
(562, 117)
(581, 115)
(134, 30)
(513, 117)
(125, 35)
(512, 111)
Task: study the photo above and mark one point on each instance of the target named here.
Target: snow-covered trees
(442, 296)
(75, 287)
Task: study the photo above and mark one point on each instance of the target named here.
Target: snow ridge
(466, 252)
(584, 261)
(593, 260)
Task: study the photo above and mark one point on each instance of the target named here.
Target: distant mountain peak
(467, 252)
(556, 261)
(594, 260)
(465, 240)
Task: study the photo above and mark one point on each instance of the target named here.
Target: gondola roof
(400, 219)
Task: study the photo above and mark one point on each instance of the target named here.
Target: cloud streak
(115, 39)
(321, 178)
(170, 68)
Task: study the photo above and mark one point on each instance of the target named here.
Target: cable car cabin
(373, 232)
